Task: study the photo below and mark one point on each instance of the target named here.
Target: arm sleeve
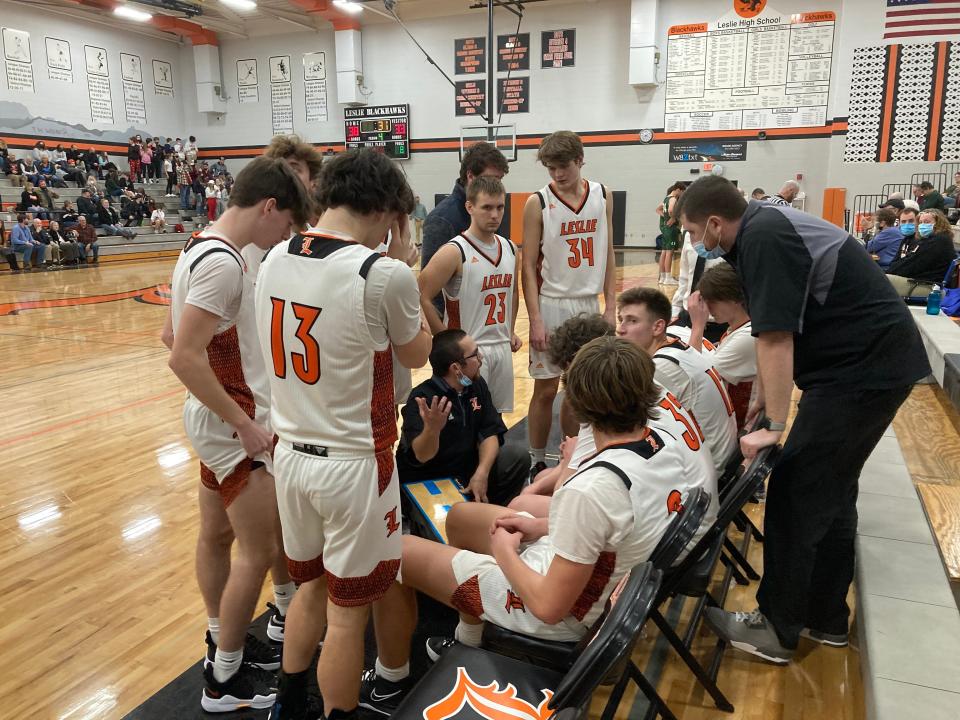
(775, 267)
(216, 284)
(580, 526)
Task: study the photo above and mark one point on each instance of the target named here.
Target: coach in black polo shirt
(452, 429)
(825, 317)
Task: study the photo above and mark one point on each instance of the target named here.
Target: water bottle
(933, 301)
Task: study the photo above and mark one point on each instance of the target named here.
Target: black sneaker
(537, 468)
(249, 687)
(255, 652)
(379, 695)
(438, 645)
(275, 624)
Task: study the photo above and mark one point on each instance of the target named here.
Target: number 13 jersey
(328, 309)
(573, 246)
(481, 304)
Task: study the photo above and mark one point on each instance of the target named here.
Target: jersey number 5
(580, 249)
(306, 365)
(493, 302)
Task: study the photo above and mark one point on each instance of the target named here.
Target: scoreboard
(382, 127)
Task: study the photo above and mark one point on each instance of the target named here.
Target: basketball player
(642, 318)
(603, 521)
(226, 416)
(567, 230)
(330, 309)
(399, 246)
(478, 272)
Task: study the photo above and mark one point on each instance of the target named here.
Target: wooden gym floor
(98, 514)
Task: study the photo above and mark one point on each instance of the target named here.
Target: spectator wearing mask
(886, 242)
(87, 240)
(30, 202)
(929, 198)
(915, 274)
(22, 241)
(109, 221)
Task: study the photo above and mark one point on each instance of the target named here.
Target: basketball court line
(86, 418)
(95, 368)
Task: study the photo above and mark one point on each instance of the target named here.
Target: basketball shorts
(555, 312)
(224, 465)
(497, 370)
(484, 591)
(341, 517)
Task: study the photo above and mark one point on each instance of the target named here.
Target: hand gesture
(754, 442)
(435, 414)
(254, 438)
(515, 343)
(753, 412)
(527, 527)
(538, 335)
(504, 539)
(478, 487)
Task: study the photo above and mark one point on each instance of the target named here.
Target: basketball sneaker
(536, 469)
(255, 652)
(249, 687)
(438, 645)
(275, 624)
(381, 696)
(825, 638)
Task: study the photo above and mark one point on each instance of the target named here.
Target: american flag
(921, 19)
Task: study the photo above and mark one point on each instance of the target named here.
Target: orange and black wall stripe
(940, 65)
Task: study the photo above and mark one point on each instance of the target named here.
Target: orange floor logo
(153, 295)
(488, 701)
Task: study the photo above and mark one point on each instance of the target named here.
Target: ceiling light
(349, 6)
(129, 13)
(240, 4)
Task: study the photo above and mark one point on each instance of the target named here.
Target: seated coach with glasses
(452, 429)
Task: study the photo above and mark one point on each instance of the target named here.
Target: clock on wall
(646, 135)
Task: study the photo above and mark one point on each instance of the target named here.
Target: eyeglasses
(475, 354)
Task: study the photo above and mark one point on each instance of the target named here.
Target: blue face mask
(702, 251)
(925, 229)
(464, 380)
(907, 228)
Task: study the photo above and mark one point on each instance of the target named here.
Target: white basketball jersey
(331, 381)
(234, 351)
(573, 247)
(710, 404)
(483, 304)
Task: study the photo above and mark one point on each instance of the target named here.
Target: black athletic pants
(810, 519)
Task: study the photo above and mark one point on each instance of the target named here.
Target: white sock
(394, 675)
(282, 595)
(213, 625)
(226, 664)
(538, 455)
(468, 634)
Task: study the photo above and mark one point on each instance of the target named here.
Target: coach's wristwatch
(768, 424)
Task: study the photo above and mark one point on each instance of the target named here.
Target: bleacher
(146, 245)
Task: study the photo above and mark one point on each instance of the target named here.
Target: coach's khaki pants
(906, 287)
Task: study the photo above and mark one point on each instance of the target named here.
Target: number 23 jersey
(573, 246)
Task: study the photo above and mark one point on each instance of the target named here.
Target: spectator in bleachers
(21, 240)
(75, 154)
(59, 157)
(895, 201)
(4, 153)
(735, 357)
(133, 157)
(908, 229)
(146, 163)
(72, 172)
(30, 202)
(915, 274)
(108, 220)
(15, 172)
(929, 198)
(788, 193)
(8, 254)
(197, 188)
(158, 156)
(219, 167)
(758, 194)
(39, 150)
(91, 161)
(87, 206)
(951, 194)
(158, 218)
(51, 252)
(87, 239)
(184, 180)
(170, 173)
(69, 248)
(46, 170)
(133, 209)
(47, 196)
(68, 215)
(470, 446)
(112, 185)
(887, 241)
(191, 151)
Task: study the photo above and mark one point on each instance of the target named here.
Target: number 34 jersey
(327, 310)
(480, 300)
(573, 246)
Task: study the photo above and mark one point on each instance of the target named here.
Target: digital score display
(385, 128)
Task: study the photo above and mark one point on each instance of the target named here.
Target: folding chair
(691, 577)
(487, 683)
